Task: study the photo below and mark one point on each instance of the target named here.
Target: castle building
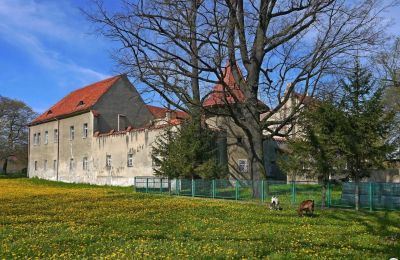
(103, 134)
(100, 134)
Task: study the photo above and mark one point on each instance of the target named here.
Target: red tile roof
(220, 97)
(305, 99)
(160, 112)
(78, 100)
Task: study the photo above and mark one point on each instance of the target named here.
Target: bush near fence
(290, 194)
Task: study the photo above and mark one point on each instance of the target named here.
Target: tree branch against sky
(14, 118)
(179, 49)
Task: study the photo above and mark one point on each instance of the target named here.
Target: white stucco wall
(95, 148)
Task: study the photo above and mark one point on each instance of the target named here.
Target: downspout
(58, 146)
(29, 149)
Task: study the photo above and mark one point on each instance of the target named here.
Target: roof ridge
(80, 99)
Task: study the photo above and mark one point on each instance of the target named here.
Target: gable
(79, 100)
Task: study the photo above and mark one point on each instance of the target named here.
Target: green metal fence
(371, 195)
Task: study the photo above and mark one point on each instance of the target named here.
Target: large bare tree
(14, 118)
(180, 48)
(389, 68)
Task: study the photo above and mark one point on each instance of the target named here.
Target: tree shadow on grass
(13, 176)
(379, 224)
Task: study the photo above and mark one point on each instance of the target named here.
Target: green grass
(42, 219)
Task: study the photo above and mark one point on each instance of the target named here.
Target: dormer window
(49, 112)
(81, 103)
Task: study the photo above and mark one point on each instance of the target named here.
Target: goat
(306, 206)
(274, 203)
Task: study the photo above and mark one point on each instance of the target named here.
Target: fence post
(370, 196)
(160, 185)
(293, 192)
(193, 187)
(213, 188)
(262, 191)
(134, 182)
(147, 185)
(328, 198)
(236, 190)
(176, 186)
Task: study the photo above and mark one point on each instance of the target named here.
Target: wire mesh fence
(342, 195)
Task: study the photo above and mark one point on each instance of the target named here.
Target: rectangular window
(130, 160)
(71, 164)
(45, 165)
(46, 137)
(85, 130)
(85, 163)
(38, 138)
(34, 139)
(55, 165)
(36, 166)
(71, 133)
(108, 160)
(56, 135)
(243, 165)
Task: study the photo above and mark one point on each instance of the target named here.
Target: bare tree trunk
(357, 193)
(257, 170)
(5, 166)
(323, 195)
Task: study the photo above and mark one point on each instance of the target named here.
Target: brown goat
(306, 206)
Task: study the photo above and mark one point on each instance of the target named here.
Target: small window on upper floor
(85, 131)
(36, 165)
(71, 133)
(38, 138)
(34, 139)
(46, 137)
(56, 135)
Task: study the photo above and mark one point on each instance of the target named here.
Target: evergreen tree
(186, 152)
(316, 153)
(348, 135)
(366, 126)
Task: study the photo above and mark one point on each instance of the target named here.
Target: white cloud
(30, 26)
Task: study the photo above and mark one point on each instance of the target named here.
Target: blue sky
(47, 49)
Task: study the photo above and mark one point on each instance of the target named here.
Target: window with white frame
(46, 137)
(56, 135)
(108, 160)
(34, 139)
(243, 165)
(85, 131)
(38, 139)
(85, 163)
(130, 160)
(54, 165)
(71, 164)
(45, 165)
(36, 166)
(71, 132)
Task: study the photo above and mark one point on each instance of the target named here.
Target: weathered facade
(101, 134)
(237, 157)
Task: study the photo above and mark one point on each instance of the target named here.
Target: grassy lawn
(52, 220)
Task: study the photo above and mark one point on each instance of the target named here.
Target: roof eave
(61, 117)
